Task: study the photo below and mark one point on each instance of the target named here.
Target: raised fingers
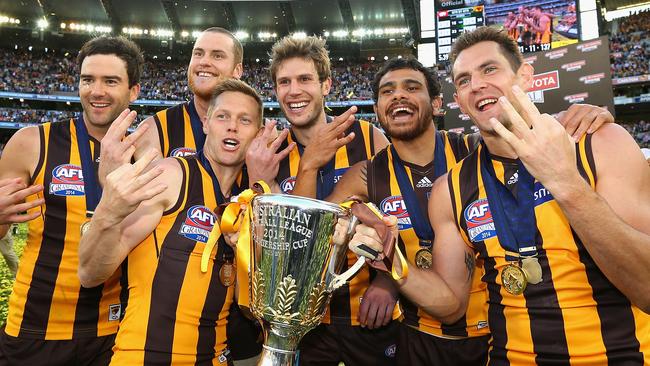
(517, 124)
(505, 134)
(524, 105)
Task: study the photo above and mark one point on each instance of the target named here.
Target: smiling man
(560, 225)
(159, 221)
(52, 319)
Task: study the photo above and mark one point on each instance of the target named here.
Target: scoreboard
(451, 23)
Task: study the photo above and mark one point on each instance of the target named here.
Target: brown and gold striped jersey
(48, 301)
(384, 191)
(177, 314)
(575, 316)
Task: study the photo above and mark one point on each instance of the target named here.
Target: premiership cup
(294, 268)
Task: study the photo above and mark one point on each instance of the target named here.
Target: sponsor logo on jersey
(67, 180)
(390, 351)
(114, 312)
(287, 185)
(394, 205)
(480, 225)
(198, 223)
(541, 194)
(425, 182)
(338, 173)
(182, 151)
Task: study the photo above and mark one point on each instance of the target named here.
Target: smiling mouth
(485, 104)
(297, 106)
(204, 74)
(99, 105)
(401, 112)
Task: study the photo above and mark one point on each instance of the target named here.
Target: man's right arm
(443, 289)
(19, 160)
(130, 209)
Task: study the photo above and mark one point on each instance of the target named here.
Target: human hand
(330, 137)
(262, 158)
(13, 192)
(546, 149)
(116, 149)
(378, 303)
(584, 118)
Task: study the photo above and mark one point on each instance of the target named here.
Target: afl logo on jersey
(67, 180)
(394, 205)
(287, 185)
(182, 151)
(480, 225)
(198, 223)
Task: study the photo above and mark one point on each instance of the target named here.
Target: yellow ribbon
(231, 222)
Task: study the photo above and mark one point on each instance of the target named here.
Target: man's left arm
(612, 221)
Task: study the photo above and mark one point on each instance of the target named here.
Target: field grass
(6, 280)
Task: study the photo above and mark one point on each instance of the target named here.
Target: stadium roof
(281, 17)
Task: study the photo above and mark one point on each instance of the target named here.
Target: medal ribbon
(514, 218)
(418, 218)
(215, 233)
(233, 221)
(92, 190)
(197, 125)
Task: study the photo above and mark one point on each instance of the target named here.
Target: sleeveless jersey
(575, 315)
(384, 191)
(176, 313)
(345, 303)
(47, 301)
(175, 132)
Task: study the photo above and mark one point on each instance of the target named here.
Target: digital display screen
(451, 23)
(535, 25)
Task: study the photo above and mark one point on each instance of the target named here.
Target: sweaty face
(231, 127)
(481, 75)
(104, 89)
(299, 91)
(403, 107)
(212, 58)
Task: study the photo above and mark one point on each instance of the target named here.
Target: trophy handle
(341, 279)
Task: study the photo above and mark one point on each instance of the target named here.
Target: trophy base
(276, 357)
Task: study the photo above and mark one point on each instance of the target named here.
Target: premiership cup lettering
(279, 220)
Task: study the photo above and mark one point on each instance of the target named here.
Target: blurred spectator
(629, 46)
(640, 131)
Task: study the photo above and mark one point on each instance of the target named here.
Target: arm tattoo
(470, 264)
(364, 174)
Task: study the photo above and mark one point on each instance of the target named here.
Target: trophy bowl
(294, 268)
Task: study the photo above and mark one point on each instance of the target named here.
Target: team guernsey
(345, 303)
(574, 315)
(384, 191)
(48, 302)
(179, 130)
(177, 313)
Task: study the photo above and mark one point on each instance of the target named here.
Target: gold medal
(423, 258)
(84, 227)
(532, 270)
(227, 274)
(513, 279)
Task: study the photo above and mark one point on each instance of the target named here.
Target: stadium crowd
(630, 46)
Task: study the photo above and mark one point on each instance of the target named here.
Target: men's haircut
(121, 47)
(507, 45)
(235, 85)
(237, 49)
(308, 48)
(433, 85)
